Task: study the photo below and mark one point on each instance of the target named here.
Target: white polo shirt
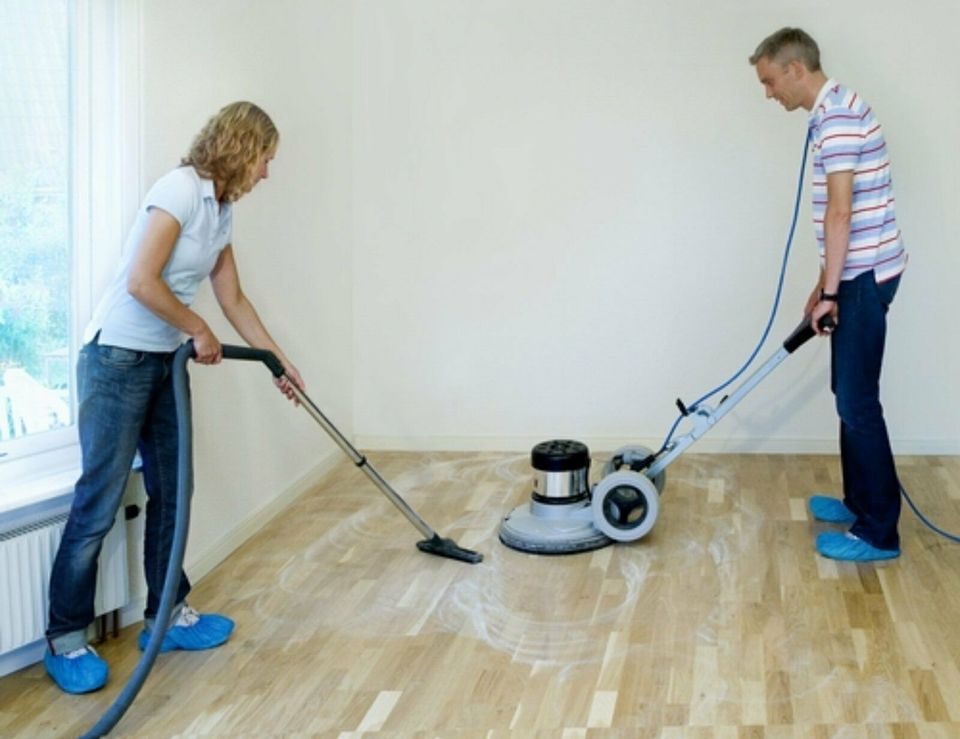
(206, 227)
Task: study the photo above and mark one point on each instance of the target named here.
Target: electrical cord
(766, 331)
(773, 311)
(926, 521)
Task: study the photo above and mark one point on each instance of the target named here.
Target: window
(35, 232)
(69, 134)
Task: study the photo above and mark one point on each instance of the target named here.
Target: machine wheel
(634, 453)
(625, 505)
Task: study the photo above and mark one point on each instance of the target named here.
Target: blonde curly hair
(228, 148)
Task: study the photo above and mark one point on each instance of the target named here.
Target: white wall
(291, 237)
(495, 223)
(567, 214)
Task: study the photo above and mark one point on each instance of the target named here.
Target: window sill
(39, 482)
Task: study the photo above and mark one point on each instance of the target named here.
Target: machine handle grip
(804, 332)
(230, 351)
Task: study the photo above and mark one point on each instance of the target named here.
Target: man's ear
(797, 69)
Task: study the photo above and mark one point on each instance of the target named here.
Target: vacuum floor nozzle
(448, 548)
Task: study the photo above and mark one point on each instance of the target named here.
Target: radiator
(26, 558)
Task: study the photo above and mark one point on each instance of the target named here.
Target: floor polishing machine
(565, 515)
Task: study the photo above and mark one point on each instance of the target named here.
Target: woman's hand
(290, 377)
(207, 346)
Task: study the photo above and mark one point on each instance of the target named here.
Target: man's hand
(821, 309)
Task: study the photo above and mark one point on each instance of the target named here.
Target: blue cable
(776, 299)
(766, 331)
(929, 524)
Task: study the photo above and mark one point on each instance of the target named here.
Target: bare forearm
(155, 295)
(243, 317)
(837, 236)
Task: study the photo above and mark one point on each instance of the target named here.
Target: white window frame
(106, 171)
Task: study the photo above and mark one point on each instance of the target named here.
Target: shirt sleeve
(176, 194)
(840, 140)
(225, 232)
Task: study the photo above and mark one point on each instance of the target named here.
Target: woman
(182, 234)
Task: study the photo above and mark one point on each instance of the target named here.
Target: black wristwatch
(830, 297)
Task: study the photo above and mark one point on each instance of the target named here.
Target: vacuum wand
(433, 543)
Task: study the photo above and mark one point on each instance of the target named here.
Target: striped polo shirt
(846, 136)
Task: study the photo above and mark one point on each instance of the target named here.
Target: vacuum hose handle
(231, 351)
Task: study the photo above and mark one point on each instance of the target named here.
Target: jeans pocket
(117, 356)
(887, 291)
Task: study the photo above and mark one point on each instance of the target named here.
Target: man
(861, 259)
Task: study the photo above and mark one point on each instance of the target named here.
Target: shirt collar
(827, 86)
(207, 188)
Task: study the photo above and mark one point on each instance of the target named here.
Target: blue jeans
(871, 489)
(126, 404)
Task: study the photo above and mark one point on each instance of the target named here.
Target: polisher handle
(804, 332)
(231, 351)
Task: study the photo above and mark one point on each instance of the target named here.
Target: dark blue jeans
(126, 404)
(871, 489)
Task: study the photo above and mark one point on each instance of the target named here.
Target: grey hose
(181, 393)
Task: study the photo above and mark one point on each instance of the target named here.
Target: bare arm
(836, 230)
(146, 284)
(243, 317)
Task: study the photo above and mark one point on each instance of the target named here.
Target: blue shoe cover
(193, 631)
(830, 510)
(80, 671)
(849, 548)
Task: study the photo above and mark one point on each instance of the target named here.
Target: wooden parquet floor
(723, 622)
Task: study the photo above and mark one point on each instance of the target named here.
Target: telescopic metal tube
(433, 543)
(360, 461)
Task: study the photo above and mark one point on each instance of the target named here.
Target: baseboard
(214, 554)
(597, 444)
(209, 558)
(523, 444)
(32, 653)
(17, 659)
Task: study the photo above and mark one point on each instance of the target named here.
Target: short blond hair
(228, 148)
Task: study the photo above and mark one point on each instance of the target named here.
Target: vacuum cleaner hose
(257, 355)
(432, 544)
(181, 392)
